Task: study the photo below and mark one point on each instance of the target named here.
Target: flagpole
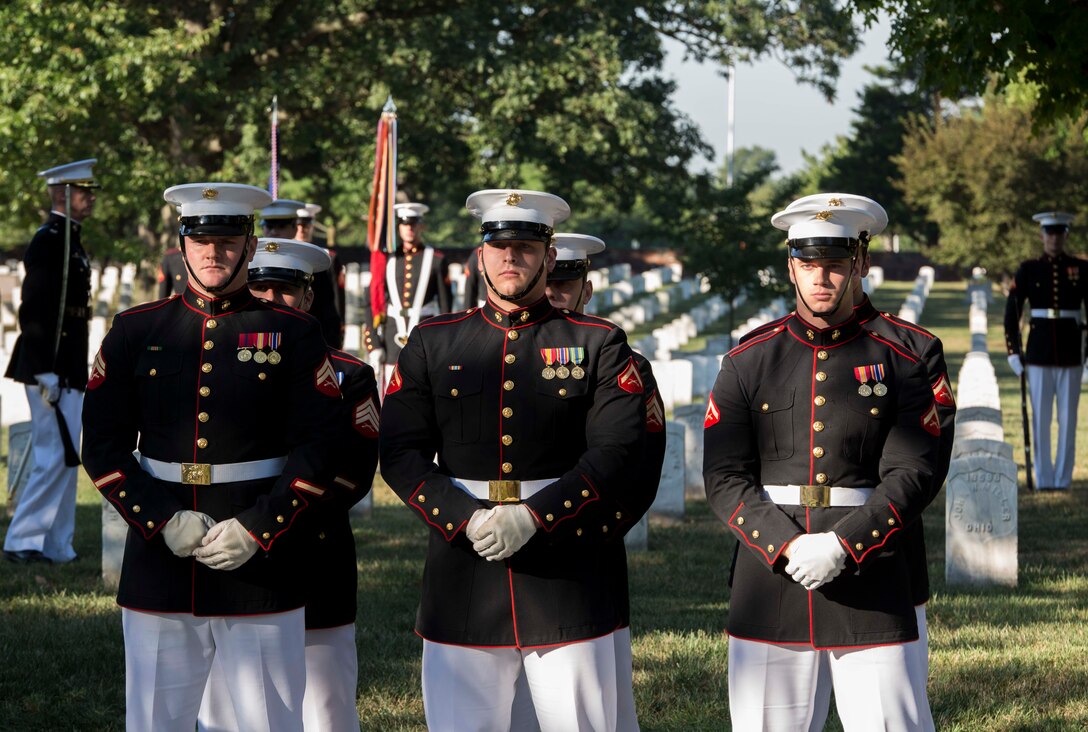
(274, 173)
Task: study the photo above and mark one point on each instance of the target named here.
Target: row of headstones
(911, 309)
(980, 494)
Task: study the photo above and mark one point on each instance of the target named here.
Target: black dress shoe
(26, 556)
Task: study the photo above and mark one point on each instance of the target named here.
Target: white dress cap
(572, 247)
(289, 254)
(309, 211)
(1047, 218)
(216, 199)
(518, 206)
(80, 173)
(281, 209)
(834, 200)
(410, 210)
(818, 220)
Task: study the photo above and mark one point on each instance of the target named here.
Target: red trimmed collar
(212, 306)
(528, 315)
(823, 337)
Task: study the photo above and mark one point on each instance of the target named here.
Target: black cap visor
(279, 274)
(1056, 228)
(215, 225)
(823, 247)
(569, 269)
(516, 231)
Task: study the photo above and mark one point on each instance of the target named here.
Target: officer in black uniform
(821, 444)
(172, 275)
(282, 272)
(537, 419)
(328, 285)
(417, 286)
(475, 294)
(50, 358)
(1053, 290)
(233, 405)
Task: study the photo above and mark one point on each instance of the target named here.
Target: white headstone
(638, 537)
(981, 522)
(670, 491)
(114, 535)
(20, 462)
(692, 416)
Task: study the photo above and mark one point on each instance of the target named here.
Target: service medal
(548, 354)
(577, 355)
(244, 355)
(578, 372)
(562, 372)
(865, 390)
(880, 390)
(260, 356)
(274, 357)
(548, 373)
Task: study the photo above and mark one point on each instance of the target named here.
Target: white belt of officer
(1052, 314)
(792, 495)
(405, 326)
(482, 488)
(218, 473)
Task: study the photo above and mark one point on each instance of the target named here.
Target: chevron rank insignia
(655, 413)
(98, 371)
(325, 379)
(942, 392)
(712, 413)
(366, 418)
(629, 380)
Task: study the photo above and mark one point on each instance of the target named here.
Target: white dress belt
(801, 495)
(482, 488)
(1053, 314)
(205, 474)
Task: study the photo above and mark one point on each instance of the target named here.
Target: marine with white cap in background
(282, 272)
(50, 358)
(329, 297)
(516, 432)
(821, 444)
(232, 407)
(417, 286)
(1053, 291)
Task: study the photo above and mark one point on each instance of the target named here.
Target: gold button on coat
(585, 494)
(513, 335)
(135, 509)
(821, 376)
(150, 524)
(449, 527)
(821, 478)
(577, 532)
(212, 324)
(507, 439)
(507, 412)
(755, 533)
(874, 411)
(122, 494)
(891, 522)
(818, 426)
(510, 358)
(266, 535)
(822, 355)
(203, 417)
(765, 406)
(740, 521)
(421, 498)
(434, 511)
(454, 392)
(820, 401)
(770, 548)
(205, 391)
(507, 467)
(562, 392)
(279, 519)
(876, 534)
(508, 385)
(152, 372)
(206, 368)
(262, 376)
(549, 517)
(208, 345)
(818, 451)
(859, 546)
(202, 443)
(567, 504)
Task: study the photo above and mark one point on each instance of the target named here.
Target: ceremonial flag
(381, 226)
(274, 172)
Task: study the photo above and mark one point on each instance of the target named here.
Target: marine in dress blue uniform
(232, 405)
(50, 358)
(172, 276)
(1052, 291)
(821, 443)
(537, 419)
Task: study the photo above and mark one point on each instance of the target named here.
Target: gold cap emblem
(835, 202)
(823, 215)
(210, 193)
(271, 247)
(513, 199)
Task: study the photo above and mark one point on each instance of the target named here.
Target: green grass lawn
(1000, 659)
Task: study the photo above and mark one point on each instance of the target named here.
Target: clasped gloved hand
(49, 387)
(226, 546)
(816, 559)
(1016, 363)
(185, 530)
(505, 531)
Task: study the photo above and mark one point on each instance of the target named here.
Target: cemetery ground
(1001, 659)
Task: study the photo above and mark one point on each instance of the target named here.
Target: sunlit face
(304, 230)
(411, 234)
(81, 203)
(283, 293)
(214, 258)
(821, 287)
(1054, 240)
(570, 294)
(512, 264)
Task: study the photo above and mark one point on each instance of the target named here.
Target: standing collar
(528, 315)
(216, 305)
(61, 217)
(815, 336)
(865, 310)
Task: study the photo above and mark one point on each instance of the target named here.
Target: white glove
(226, 546)
(816, 559)
(49, 386)
(185, 530)
(504, 532)
(376, 359)
(1016, 364)
(472, 530)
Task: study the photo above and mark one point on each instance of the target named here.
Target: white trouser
(773, 687)
(45, 516)
(168, 657)
(918, 656)
(332, 675)
(573, 687)
(1045, 383)
(523, 718)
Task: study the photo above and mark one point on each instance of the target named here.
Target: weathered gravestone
(981, 448)
(981, 521)
(20, 462)
(670, 490)
(692, 416)
(114, 534)
(638, 538)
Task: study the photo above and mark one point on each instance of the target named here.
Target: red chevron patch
(931, 422)
(655, 413)
(325, 379)
(629, 380)
(395, 382)
(98, 371)
(367, 418)
(712, 413)
(942, 392)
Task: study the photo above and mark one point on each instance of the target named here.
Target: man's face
(820, 286)
(81, 204)
(570, 294)
(512, 264)
(304, 230)
(1054, 239)
(411, 233)
(283, 293)
(213, 258)
(280, 228)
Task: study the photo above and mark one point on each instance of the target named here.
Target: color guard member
(537, 419)
(821, 444)
(1056, 287)
(228, 400)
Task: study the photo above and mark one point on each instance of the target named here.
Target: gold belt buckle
(816, 496)
(196, 473)
(504, 491)
(1052, 314)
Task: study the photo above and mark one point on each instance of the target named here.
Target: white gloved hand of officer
(49, 387)
(185, 530)
(475, 522)
(816, 559)
(376, 359)
(226, 546)
(1016, 364)
(507, 529)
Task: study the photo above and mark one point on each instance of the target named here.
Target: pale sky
(771, 109)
